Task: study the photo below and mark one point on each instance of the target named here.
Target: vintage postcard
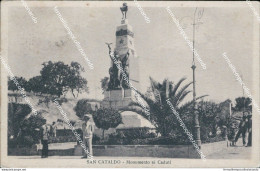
(129, 84)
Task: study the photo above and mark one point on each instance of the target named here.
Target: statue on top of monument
(124, 10)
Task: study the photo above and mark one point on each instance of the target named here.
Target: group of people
(244, 129)
(48, 131)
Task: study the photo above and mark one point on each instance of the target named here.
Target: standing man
(249, 125)
(88, 130)
(242, 130)
(53, 129)
(44, 140)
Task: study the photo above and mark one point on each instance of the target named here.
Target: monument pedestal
(117, 99)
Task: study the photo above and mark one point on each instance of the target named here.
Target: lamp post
(195, 107)
(195, 21)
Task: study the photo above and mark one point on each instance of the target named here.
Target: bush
(132, 136)
(135, 133)
(16, 115)
(25, 141)
(214, 139)
(65, 135)
(31, 127)
(12, 143)
(62, 139)
(117, 138)
(96, 139)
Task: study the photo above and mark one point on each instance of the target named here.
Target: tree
(107, 118)
(16, 114)
(211, 116)
(59, 78)
(75, 81)
(53, 77)
(12, 86)
(36, 85)
(31, 127)
(161, 115)
(83, 107)
(243, 102)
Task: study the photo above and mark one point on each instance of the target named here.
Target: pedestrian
(88, 130)
(242, 130)
(232, 134)
(44, 140)
(53, 130)
(249, 127)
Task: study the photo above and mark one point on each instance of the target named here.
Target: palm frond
(182, 97)
(175, 98)
(175, 88)
(191, 102)
(200, 97)
(148, 100)
(156, 93)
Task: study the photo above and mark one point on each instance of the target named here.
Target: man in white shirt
(44, 140)
(88, 130)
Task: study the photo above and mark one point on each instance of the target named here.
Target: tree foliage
(243, 103)
(35, 84)
(75, 82)
(56, 79)
(211, 116)
(107, 118)
(83, 107)
(12, 86)
(16, 115)
(31, 127)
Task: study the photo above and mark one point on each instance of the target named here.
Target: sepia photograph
(121, 84)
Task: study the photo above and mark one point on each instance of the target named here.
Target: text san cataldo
(103, 162)
(128, 162)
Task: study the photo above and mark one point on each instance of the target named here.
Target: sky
(162, 51)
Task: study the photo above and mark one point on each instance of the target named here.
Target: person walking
(44, 140)
(88, 130)
(242, 130)
(249, 127)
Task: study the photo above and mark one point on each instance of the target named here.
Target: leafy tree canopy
(12, 86)
(243, 103)
(107, 118)
(82, 107)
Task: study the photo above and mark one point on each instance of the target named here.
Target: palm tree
(161, 114)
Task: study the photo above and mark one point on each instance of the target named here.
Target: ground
(237, 152)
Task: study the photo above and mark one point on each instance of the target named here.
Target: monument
(119, 93)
